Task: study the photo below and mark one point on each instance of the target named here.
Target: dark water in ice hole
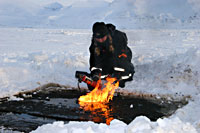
(51, 105)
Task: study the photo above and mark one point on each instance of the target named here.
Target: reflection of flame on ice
(96, 100)
(97, 110)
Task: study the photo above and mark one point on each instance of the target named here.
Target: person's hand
(96, 74)
(119, 79)
(116, 75)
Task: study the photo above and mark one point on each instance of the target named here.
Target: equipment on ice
(85, 77)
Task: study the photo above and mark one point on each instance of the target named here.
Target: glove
(117, 75)
(96, 74)
(121, 81)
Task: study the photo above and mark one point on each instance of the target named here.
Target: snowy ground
(44, 41)
(166, 62)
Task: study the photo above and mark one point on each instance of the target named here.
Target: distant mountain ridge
(81, 14)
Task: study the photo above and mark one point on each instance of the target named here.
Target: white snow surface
(81, 14)
(43, 41)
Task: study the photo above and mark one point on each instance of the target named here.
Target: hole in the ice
(53, 103)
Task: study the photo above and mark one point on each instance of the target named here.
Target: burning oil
(54, 103)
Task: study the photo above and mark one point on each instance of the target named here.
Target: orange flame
(96, 100)
(104, 95)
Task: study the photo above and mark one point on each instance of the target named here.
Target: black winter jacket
(113, 55)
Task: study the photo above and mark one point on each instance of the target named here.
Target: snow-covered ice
(43, 41)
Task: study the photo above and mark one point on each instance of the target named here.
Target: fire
(101, 95)
(97, 110)
(96, 100)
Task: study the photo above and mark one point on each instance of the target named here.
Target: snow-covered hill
(80, 14)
